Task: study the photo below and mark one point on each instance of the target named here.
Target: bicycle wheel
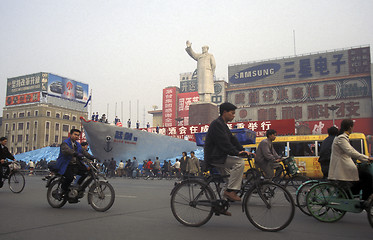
(318, 199)
(52, 195)
(16, 182)
(301, 196)
(191, 203)
(101, 196)
(370, 213)
(294, 182)
(269, 206)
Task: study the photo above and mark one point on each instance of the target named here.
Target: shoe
(73, 200)
(226, 213)
(366, 203)
(232, 196)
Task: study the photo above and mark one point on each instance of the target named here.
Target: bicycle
(16, 180)
(290, 176)
(329, 202)
(267, 205)
(302, 192)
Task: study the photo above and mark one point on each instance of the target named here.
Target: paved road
(142, 211)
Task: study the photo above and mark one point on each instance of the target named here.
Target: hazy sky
(129, 50)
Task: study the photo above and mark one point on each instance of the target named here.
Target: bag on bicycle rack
(14, 166)
(291, 166)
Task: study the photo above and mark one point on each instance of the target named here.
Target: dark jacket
(4, 153)
(66, 154)
(326, 150)
(220, 143)
(183, 163)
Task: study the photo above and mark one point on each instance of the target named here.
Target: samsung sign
(255, 73)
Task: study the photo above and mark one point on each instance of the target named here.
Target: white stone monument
(205, 72)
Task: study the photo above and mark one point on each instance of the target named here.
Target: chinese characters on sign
(283, 127)
(184, 101)
(169, 108)
(317, 111)
(125, 137)
(307, 92)
(22, 98)
(188, 86)
(24, 84)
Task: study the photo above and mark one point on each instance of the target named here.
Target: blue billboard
(67, 88)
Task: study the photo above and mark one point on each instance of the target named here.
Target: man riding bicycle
(267, 158)
(222, 150)
(69, 161)
(4, 154)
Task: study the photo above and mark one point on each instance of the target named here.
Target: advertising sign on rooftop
(306, 67)
(24, 84)
(67, 89)
(22, 98)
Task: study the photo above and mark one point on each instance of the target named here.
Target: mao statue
(205, 71)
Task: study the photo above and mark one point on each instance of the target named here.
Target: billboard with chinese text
(25, 84)
(184, 101)
(332, 64)
(169, 107)
(188, 82)
(283, 127)
(22, 98)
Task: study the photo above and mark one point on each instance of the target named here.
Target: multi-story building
(41, 109)
(38, 125)
(317, 90)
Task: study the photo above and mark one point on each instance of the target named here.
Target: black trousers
(325, 169)
(71, 171)
(4, 168)
(365, 184)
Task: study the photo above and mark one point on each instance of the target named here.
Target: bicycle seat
(215, 173)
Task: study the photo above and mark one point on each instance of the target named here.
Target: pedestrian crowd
(153, 168)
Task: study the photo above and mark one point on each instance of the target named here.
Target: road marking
(125, 196)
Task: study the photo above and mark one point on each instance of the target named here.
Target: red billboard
(169, 107)
(361, 125)
(283, 127)
(22, 98)
(184, 101)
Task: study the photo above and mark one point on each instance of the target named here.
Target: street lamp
(333, 108)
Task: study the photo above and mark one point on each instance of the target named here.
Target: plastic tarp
(49, 153)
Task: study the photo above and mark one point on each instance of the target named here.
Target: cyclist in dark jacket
(4, 154)
(222, 150)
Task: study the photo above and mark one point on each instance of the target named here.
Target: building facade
(38, 125)
(314, 89)
(41, 109)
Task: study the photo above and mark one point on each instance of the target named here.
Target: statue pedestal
(203, 113)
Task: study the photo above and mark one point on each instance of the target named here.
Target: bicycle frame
(92, 176)
(349, 204)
